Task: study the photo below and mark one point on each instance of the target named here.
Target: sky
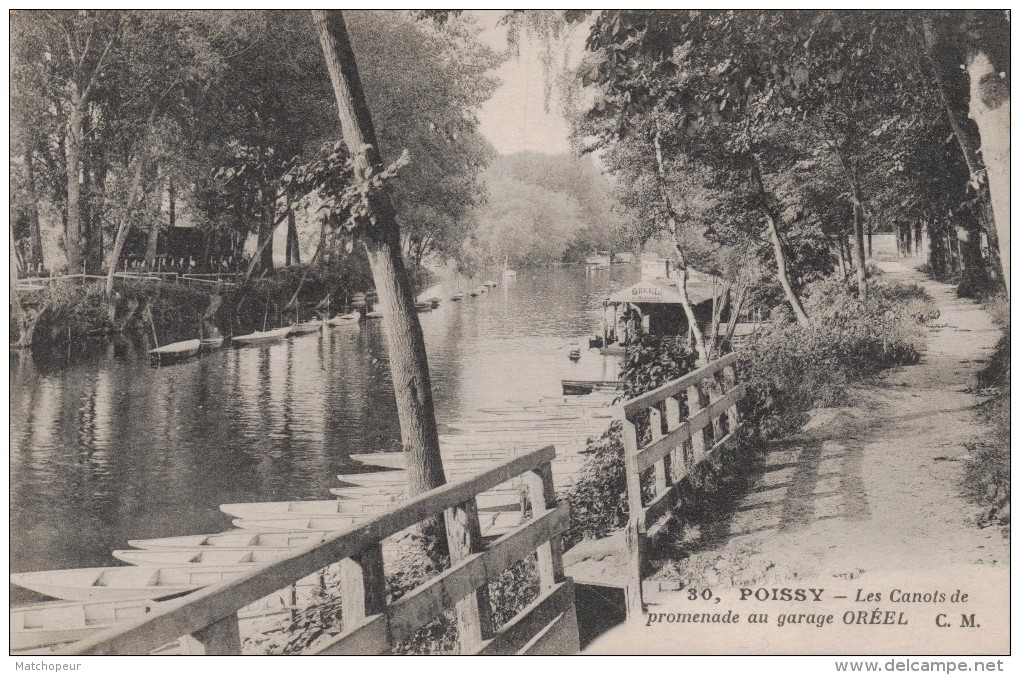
(514, 119)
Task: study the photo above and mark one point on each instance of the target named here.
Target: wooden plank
(676, 387)
(695, 407)
(650, 454)
(705, 416)
(733, 415)
(634, 540)
(426, 602)
(655, 425)
(370, 638)
(542, 493)
(474, 612)
(208, 605)
(519, 631)
(362, 585)
(559, 638)
(661, 505)
(219, 639)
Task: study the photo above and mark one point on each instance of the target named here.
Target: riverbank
(869, 494)
(64, 314)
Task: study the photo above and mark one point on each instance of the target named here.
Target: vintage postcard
(538, 332)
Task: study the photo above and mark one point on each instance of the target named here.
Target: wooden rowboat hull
(261, 336)
(234, 539)
(210, 555)
(121, 583)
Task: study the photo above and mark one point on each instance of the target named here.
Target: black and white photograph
(609, 332)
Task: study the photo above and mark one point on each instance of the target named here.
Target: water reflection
(110, 449)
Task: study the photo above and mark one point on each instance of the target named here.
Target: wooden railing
(700, 414)
(206, 621)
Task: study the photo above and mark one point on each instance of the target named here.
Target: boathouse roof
(700, 288)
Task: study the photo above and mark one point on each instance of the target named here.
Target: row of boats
(474, 292)
(93, 599)
(185, 349)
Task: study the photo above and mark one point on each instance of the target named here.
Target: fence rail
(700, 415)
(206, 621)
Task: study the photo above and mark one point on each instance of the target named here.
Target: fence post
(362, 586)
(732, 415)
(474, 612)
(542, 493)
(635, 534)
(217, 639)
(697, 435)
(661, 466)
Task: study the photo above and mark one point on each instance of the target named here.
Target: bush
(987, 480)
(790, 369)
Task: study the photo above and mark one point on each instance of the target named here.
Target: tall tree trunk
(293, 246)
(152, 245)
(985, 97)
(124, 226)
(975, 275)
(408, 361)
(862, 279)
(35, 256)
(777, 246)
(17, 311)
(672, 223)
(266, 230)
(73, 243)
(989, 108)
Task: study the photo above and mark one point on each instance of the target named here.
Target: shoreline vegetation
(68, 313)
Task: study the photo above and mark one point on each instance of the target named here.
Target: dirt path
(867, 496)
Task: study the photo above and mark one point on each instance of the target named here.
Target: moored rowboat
(313, 326)
(342, 319)
(233, 539)
(313, 507)
(261, 336)
(210, 555)
(212, 342)
(115, 583)
(176, 351)
(53, 623)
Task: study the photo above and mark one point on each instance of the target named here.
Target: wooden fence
(700, 415)
(206, 621)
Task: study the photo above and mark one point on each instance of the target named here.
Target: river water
(110, 448)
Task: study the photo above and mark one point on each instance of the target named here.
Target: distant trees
(545, 208)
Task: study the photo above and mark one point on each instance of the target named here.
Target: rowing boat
(313, 507)
(281, 523)
(212, 342)
(176, 351)
(260, 336)
(115, 583)
(52, 623)
(209, 555)
(313, 326)
(492, 524)
(233, 539)
(342, 319)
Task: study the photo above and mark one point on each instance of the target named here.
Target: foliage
(543, 209)
(652, 361)
(789, 369)
(988, 478)
(598, 498)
